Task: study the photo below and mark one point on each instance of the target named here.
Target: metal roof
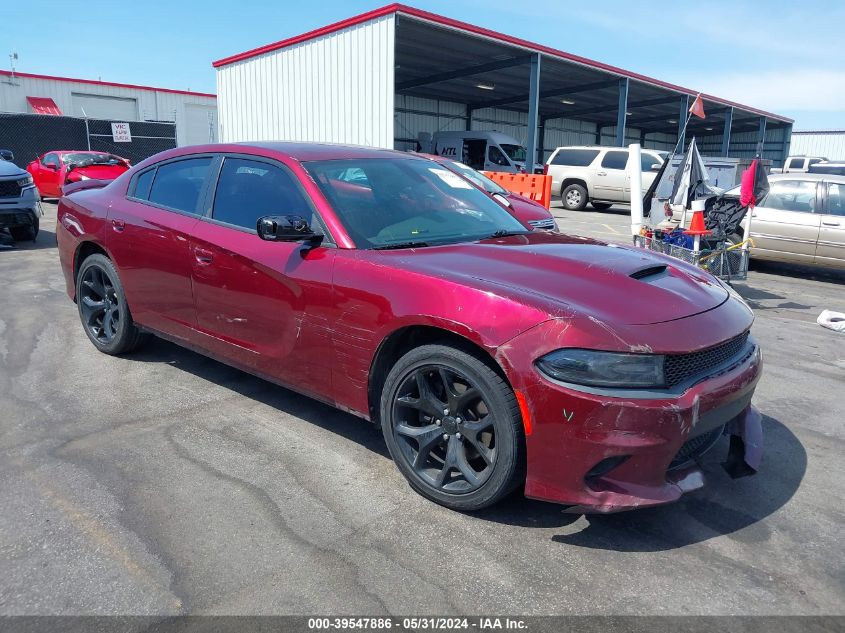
(438, 57)
(7, 73)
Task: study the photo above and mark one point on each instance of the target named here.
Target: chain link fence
(31, 135)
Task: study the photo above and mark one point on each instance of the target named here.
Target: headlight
(603, 369)
(26, 181)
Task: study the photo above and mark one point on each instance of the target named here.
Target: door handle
(601, 173)
(118, 225)
(831, 223)
(202, 255)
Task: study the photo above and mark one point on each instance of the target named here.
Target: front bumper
(22, 210)
(600, 452)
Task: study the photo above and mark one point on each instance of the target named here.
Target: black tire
(464, 449)
(601, 206)
(574, 197)
(25, 233)
(103, 309)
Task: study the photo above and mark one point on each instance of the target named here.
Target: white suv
(597, 174)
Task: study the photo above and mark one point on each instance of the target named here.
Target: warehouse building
(383, 77)
(827, 143)
(194, 113)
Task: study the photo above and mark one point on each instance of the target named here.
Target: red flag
(697, 107)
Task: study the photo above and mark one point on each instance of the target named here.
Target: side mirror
(656, 167)
(7, 154)
(502, 199)
(285, 228)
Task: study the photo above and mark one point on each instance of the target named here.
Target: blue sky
(784, 57)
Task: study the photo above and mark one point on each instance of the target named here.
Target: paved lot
(166, 483)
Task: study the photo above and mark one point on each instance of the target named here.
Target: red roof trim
(477, 30)
(108, 83)
(44, 105)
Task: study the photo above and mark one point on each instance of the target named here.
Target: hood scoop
(649, 273)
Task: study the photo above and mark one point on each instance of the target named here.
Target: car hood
(10, 169)
(526, 209)
(603, 281)
(100, 172)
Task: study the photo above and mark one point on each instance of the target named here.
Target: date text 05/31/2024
(417, 623)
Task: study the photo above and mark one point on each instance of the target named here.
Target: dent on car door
(831, 245)
(263, 305)
(148, 236)
(785, 225)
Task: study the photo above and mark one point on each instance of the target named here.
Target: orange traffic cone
(696, 227)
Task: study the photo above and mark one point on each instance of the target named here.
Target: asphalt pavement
(167, 483)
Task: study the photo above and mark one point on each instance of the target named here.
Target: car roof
(325, 151)
(614, 147)
(802, 175)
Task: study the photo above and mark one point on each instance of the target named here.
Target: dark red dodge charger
(492, 356)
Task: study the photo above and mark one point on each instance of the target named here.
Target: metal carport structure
(384, 76)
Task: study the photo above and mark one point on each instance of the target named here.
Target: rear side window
(575, 157)
(796, 163)
(249, 189)
(615, 160)
(142, 185)
(836, 198)
(177, 185)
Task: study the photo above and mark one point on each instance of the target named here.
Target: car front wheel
(453, 427)
(103, 309)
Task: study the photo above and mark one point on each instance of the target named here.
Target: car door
(785, 225)
(47, 175)
(264, 306)
(830, 250)
(148, 237)
(610, 176)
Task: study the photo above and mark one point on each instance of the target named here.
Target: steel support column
(787, 138)
(726, 133)
(533, 113)
(761, 136)
(683, 113)
(468, 124)
(541, 142)
(621, 112)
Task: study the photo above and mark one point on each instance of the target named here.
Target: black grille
(694, 448)
(679, 368)
(10, 188)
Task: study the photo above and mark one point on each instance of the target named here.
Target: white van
(484, 151)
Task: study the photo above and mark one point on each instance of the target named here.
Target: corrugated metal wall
(336, 88)
(744, 144)
(152, 105)
(827, 143)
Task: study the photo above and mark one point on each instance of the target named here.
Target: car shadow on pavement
(286, 401)
(810, 273)
(724, 506)
(45, 239)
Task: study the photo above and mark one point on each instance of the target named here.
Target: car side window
(615, 160)
(796, 163)
(51, 159)
(141, 190)
(836, 198)
(497, 157)
(178, 184)
(250, 189)
(791, 195)
(575, 157)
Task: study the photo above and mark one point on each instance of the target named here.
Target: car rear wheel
(103, 309)
(574, 197)
(25, 233)
(453, 427)
(601, 206)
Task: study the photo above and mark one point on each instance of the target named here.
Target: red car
(52, 170)
(492, 357)
(524, 209)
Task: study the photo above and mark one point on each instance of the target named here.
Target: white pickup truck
(795, 164)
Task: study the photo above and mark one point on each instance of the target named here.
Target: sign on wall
(120, 133)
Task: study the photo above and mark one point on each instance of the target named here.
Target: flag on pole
(697, 107)
(691, 180)
(755, 185)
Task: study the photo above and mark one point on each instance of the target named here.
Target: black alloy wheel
(444, 429)
(103, 309)
(99, 305)
(453, 427)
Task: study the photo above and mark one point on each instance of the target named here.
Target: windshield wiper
(504, 233)
(385, 247)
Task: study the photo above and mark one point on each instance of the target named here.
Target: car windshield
(475, 177)
(90, 158)
(399, 202)
(515, 152)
